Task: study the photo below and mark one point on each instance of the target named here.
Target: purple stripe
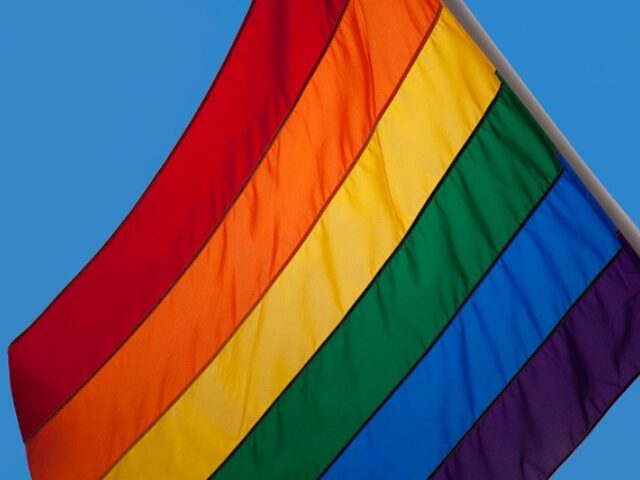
(565, 388)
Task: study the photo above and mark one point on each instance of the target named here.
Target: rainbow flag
(365, 258)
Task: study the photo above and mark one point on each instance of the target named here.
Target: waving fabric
(379, 266)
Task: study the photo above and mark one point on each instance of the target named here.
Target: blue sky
(93, 96)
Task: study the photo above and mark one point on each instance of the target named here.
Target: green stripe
(496, 181)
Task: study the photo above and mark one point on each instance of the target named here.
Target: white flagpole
(473, 27)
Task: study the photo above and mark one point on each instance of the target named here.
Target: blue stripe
(563, 246)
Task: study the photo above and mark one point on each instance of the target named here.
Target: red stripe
(269, 63)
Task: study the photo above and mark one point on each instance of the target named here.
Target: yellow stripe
(439, 104)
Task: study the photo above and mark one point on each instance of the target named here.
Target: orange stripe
(373, 47)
